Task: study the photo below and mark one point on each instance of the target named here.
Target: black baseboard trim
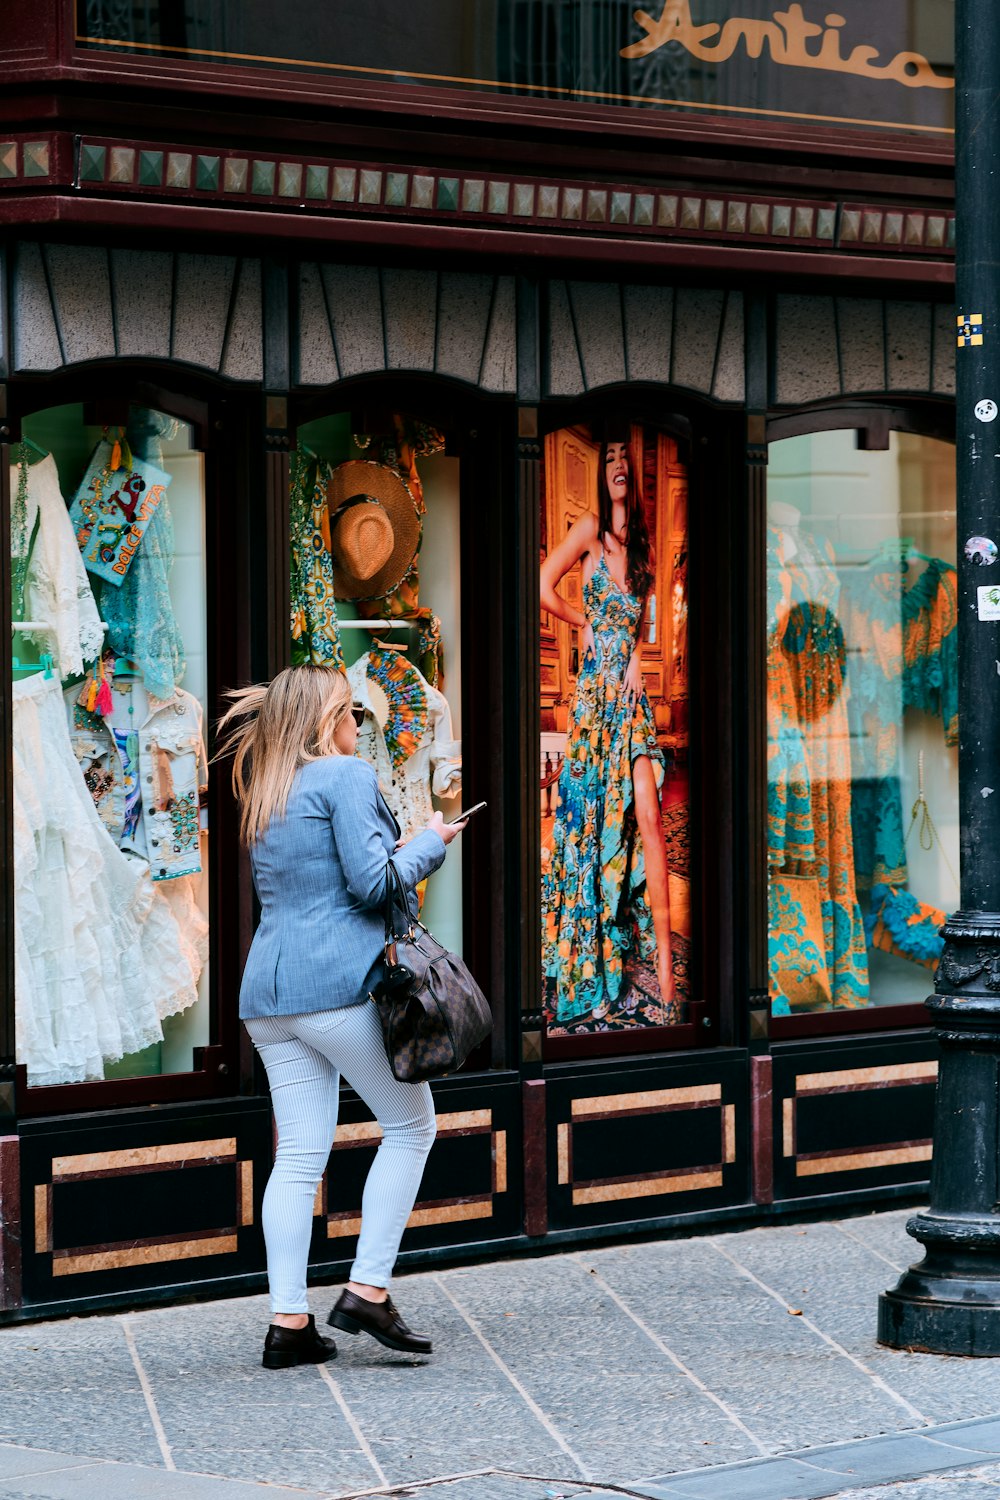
(676, 1226)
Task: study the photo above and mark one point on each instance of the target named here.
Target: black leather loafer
(285, 1347)
(355, 1314)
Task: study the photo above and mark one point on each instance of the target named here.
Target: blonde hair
(275, 727)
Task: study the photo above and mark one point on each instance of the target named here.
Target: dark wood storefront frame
(55, 86)
(222, 429)
(872, 422)
(478, 429)
(710, 436)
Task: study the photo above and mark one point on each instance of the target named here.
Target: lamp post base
(950, 1302)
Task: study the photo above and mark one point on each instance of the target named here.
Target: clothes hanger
(23, 666)
(377, 626)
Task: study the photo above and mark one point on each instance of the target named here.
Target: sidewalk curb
(815, 1473)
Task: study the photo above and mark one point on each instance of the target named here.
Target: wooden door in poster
(665, 656)
(571, 464)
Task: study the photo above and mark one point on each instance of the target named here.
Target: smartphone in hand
(462, 817)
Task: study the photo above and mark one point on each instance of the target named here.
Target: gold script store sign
(786, 37)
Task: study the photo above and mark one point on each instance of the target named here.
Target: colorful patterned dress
(595, 908)
(816, 940)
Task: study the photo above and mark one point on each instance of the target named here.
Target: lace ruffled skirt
(98, 958)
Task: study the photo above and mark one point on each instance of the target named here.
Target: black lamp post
(950, 1301)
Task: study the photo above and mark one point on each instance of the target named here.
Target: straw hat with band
(374, 529)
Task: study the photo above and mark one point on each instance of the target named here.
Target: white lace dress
(98, 961)
(57, 590)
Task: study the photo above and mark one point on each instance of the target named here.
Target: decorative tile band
(272, 181)
(28, 160)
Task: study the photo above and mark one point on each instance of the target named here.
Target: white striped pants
(304, 1056)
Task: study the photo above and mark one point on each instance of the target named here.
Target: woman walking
(320, 837)
(605, 887)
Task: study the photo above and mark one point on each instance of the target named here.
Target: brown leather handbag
(433, 1012)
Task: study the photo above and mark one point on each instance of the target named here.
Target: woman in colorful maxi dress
(605, 892)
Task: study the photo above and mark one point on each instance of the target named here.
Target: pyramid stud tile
(235, 175)
(524, 199)
(422, 191)
(178, 170)
(289, 179)
(548, 202)
(36, 158)
(318, 181)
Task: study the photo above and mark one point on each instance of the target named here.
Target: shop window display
(110, 769)
(376, 589)
(862, 719)
(615, 809)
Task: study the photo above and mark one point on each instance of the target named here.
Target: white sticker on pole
(989, 602)
(986, 410)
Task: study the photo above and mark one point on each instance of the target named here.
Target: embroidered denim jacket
(145, 769)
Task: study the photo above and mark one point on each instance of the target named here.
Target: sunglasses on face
(357, 714)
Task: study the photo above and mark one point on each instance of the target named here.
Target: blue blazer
(320, 874)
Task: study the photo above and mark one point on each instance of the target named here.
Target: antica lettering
(785, 37)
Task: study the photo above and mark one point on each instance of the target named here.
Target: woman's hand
(445, 831)
(632, 684)
(587, 641)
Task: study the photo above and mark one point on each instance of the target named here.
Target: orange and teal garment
(817, 956)
(595, 908)
(315, 631)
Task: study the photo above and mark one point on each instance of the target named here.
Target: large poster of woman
(613, 586)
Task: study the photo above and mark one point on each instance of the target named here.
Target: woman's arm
(579, 539)
(357, 832)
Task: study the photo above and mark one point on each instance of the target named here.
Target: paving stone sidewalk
(729, 1367)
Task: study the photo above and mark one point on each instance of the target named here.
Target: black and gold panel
(852, 1116)
(647, 1141)
(470, 1187)
(142, 1199)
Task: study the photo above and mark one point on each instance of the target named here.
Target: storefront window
(616, 924)
(109, 761)
(376, 588)
(862, 718)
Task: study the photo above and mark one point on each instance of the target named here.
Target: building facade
(257, 264)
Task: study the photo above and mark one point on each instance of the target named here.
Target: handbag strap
(395, 891)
